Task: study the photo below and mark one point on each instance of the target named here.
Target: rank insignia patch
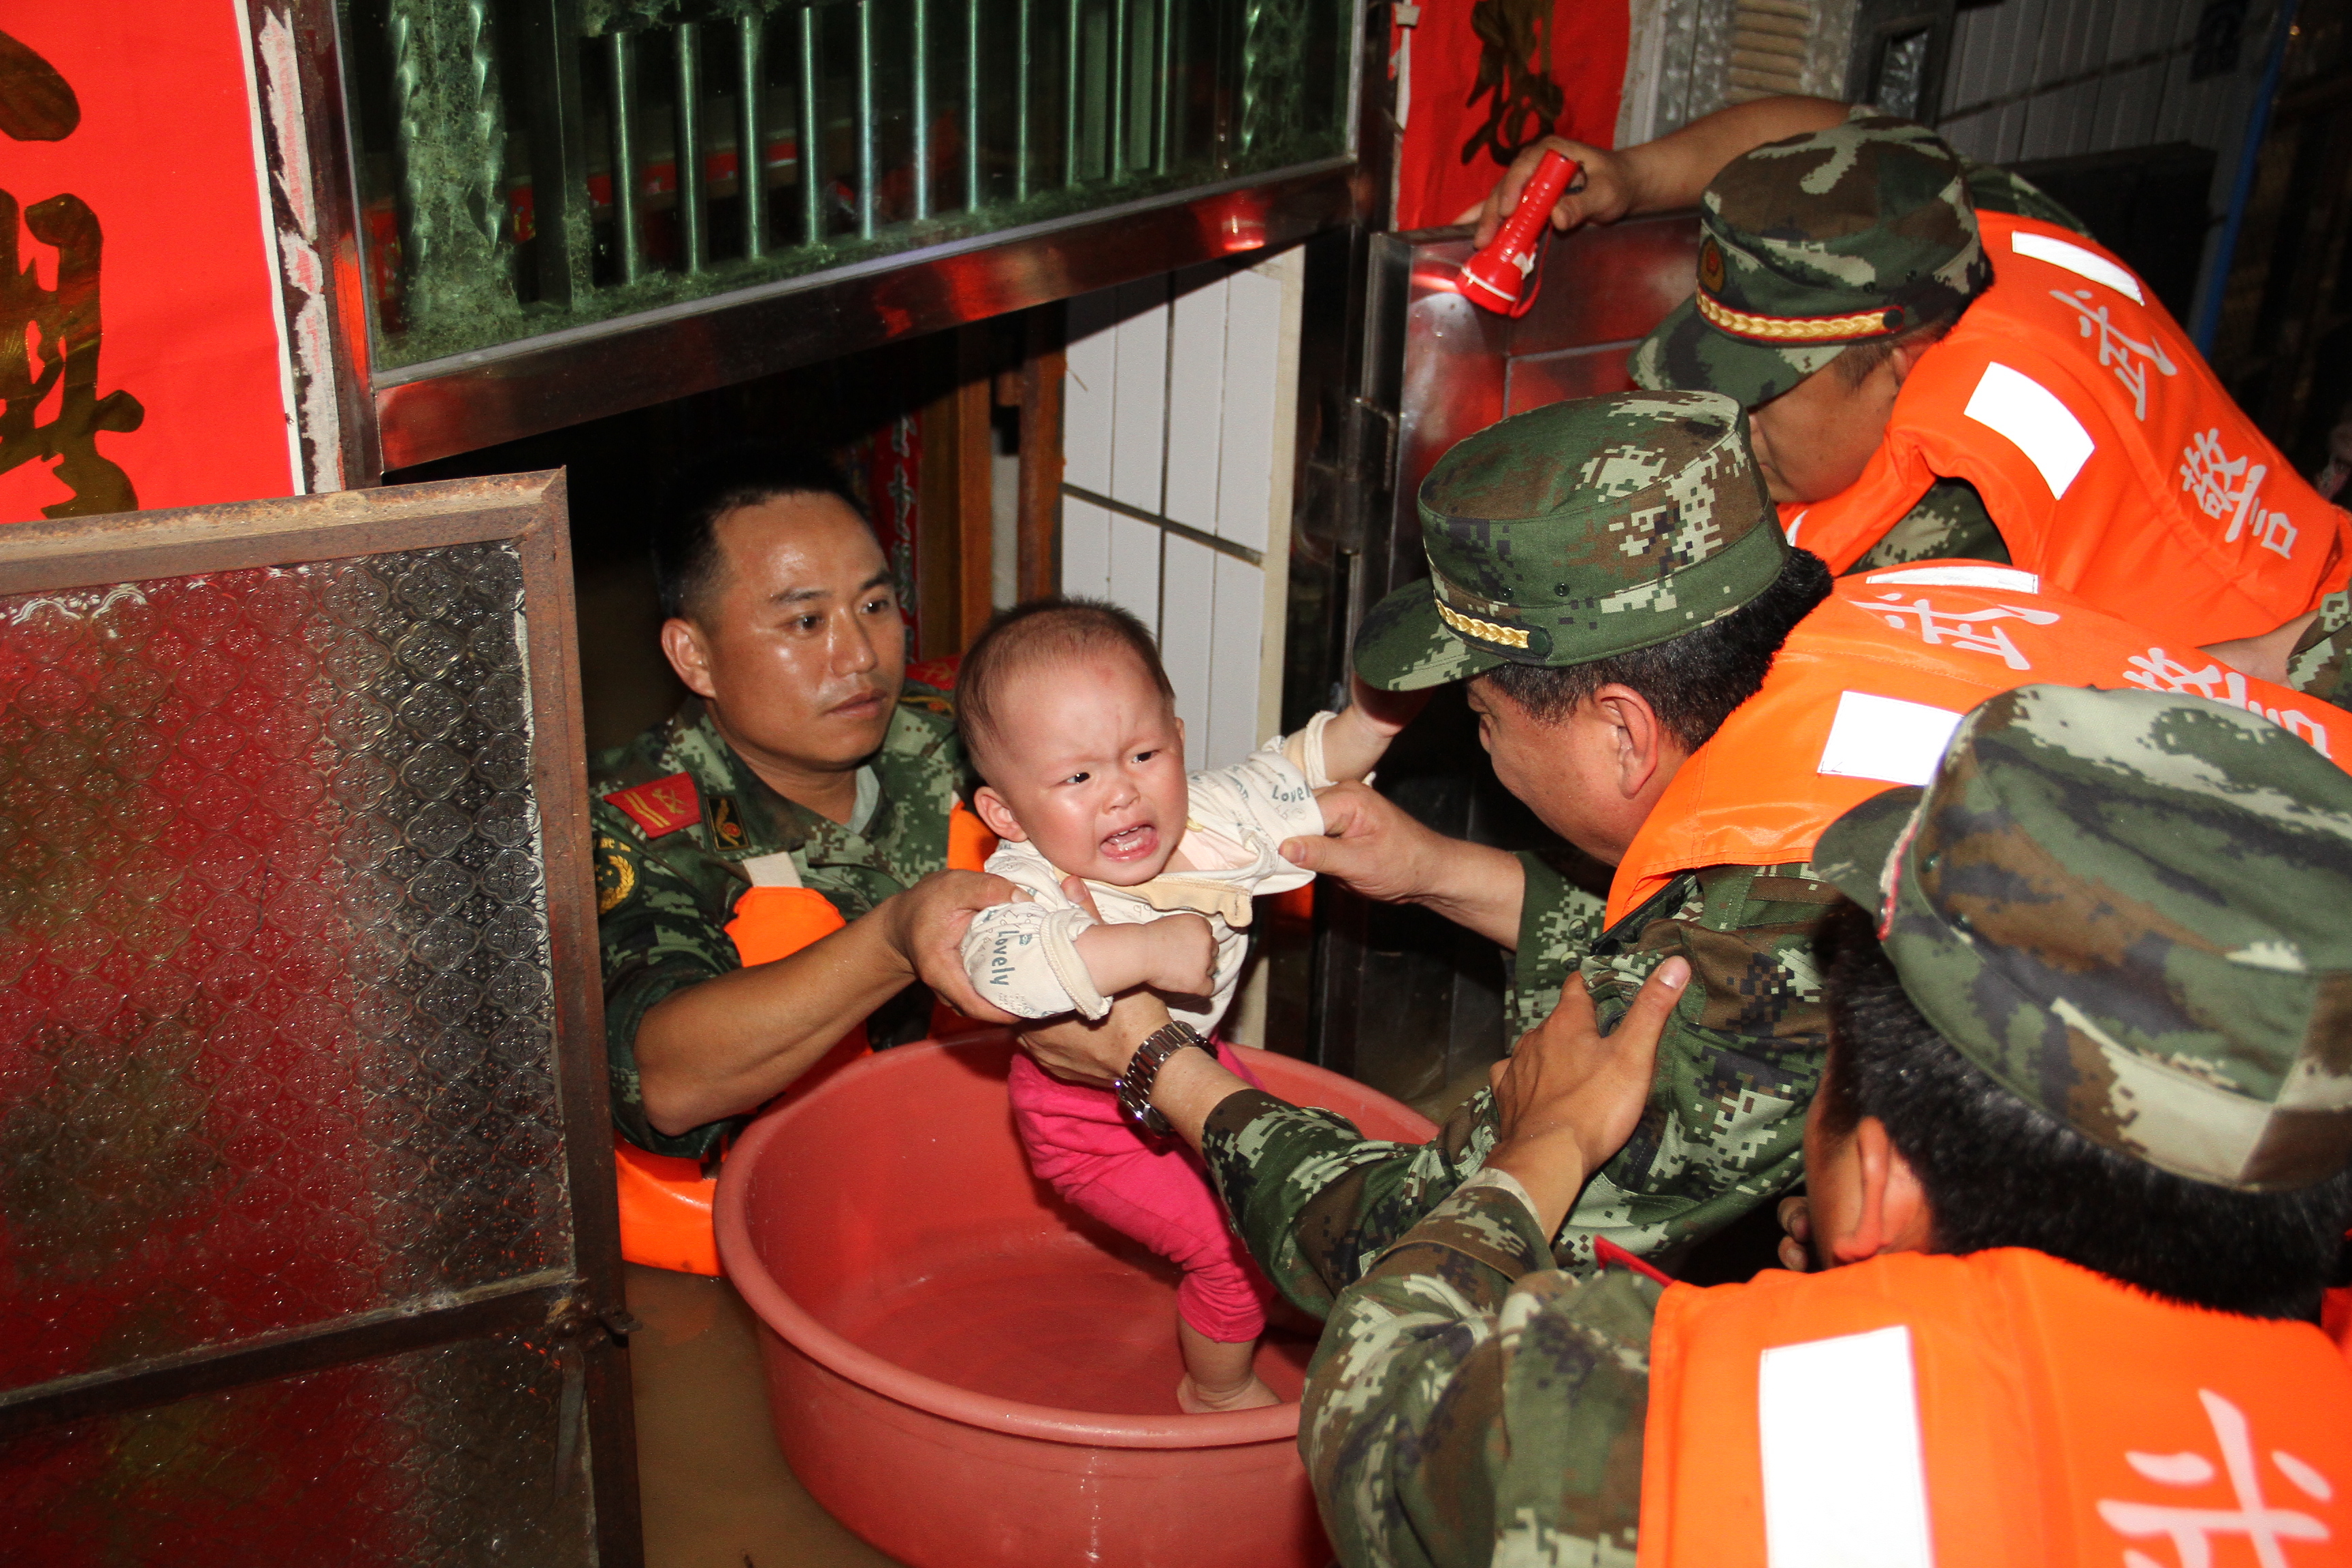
(665, 806)
(616, 874)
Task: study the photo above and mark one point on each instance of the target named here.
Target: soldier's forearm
(1190, 1086)
(1673, 170)
(1478, 886)
(723, 1046)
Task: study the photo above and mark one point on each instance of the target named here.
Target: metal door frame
(357, 422)
(584, 1306)
(1430, 369)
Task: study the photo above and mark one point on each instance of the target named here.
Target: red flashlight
(1497, 275)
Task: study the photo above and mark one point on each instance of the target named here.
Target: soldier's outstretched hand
(1370, 843)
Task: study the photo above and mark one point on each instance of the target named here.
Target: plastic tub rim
(800, 1329)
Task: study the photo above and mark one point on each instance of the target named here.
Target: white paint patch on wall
(1178, 438)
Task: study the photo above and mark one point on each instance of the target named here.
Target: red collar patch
(665, 806)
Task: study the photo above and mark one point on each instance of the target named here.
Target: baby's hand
(1175, 954)
(1185, 961)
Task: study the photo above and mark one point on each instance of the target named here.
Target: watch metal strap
(1135, 1084)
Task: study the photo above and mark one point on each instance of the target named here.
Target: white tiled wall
(1179, 407)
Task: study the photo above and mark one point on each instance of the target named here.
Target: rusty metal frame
(324, 261)
(392, 419)
(1388, 981)
(472, 400)
(586, 1305)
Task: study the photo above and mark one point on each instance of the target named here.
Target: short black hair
(1054, 627)
(1693, 681)
(685, 550)
(1854, 366)
(1999, 1173)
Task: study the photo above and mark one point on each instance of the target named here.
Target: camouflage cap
(1576, 532)
(1808, 245)
(2133, 911)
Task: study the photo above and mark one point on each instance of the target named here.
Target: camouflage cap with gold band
(1808, 244)
(2133, 911)
(1577, 531)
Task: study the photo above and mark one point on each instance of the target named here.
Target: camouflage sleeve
(1949, 522)
(1996, 190)
(2322, 664)
(1316, 1202)
(1559, 923)
(653, 938)
(1469, 1405)
(1724, 1129)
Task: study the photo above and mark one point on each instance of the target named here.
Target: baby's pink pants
(1155, 1190)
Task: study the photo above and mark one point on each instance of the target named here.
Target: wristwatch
(1134, 1085)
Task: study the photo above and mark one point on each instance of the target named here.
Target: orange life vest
(2108, 454)
(1985, 1411)
(664, 1198)
(1869, 687)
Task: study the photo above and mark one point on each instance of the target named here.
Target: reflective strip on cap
(2002, 579)
(1886, 737)
(2082, 263)
(1845, 1482)
(1485, 631)
(2013, 404)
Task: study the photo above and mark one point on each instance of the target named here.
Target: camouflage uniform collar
(766, 822)
(2127, 909)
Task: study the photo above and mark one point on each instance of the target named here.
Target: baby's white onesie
(1021, 957)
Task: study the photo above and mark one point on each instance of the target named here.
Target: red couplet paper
(146, 335)
(1489, 77)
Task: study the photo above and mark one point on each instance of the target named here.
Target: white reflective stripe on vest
(2082, 263)
(775, 870)
(1886, 737)
(2013, 404)
(2000, 579)
(1846, 1480)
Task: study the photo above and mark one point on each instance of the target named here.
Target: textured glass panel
(880, 126)
(455, 1455)
(275, 1012)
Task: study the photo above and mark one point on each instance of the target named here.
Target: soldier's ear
(998, 816)
(1642, 743)
(682, 645)
(1892, 1214)
(1905, 356)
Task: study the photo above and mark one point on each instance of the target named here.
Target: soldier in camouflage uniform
(2106, 1031)
(1864, 223)
(786, 626)
(1620, 553)
(1703, 164)
(1924, 243)
(1561, 538)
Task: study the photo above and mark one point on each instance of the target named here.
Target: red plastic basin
(967, 1371)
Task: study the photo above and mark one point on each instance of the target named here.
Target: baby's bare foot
(1199, 1399)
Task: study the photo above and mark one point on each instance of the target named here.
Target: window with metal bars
(527, 166)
